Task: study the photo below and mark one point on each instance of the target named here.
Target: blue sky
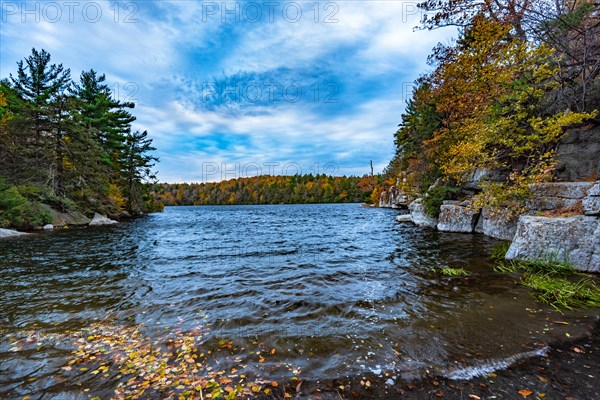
(229, 89)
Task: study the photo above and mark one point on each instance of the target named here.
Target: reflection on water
(336, 290)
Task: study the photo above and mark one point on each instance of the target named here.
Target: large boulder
(498, 223)
(10, 233)
(101, 220)
(456, 218)
(576, 239)
(419, 216)
(591, 203)
(556, 195)
(60, 219)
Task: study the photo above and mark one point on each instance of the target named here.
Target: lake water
(327, 291)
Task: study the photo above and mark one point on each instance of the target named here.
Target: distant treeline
(267, 189)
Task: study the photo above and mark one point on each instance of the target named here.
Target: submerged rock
(101, 220)
(456, 218)
(591, 203)
(419, 216)
(497, 223)
(10, 233)
(576, 239)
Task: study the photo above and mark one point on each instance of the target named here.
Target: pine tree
(136, 168)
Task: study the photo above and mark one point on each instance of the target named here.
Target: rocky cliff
(574, 238)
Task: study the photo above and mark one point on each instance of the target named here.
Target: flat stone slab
(403, 218)
(565, 190)
(4, 233)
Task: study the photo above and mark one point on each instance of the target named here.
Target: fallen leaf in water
(298, 386)
(256, 388)
(274, 384)
(287, 395)
(541, 395)
(525, 392)
(273, 351)
(439, 394)
(474, 396)
(577, 350)
(543, 379)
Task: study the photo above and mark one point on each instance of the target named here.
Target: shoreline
(567, 369)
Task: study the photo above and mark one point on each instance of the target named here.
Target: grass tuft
(553, 281)
(499, 251)
(562, 293)
(454, 272)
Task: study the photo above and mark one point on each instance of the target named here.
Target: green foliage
(436, 196)
(16, 211)
(454, 272)
(70, 145)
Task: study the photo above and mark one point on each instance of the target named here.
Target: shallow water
(334, 290)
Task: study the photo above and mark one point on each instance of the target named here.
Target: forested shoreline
(68, 145)
(268, 189)
(486, 121)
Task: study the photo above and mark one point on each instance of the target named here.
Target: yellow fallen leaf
(541, 395)
(256, 388)
(525, 392)
(267, 391)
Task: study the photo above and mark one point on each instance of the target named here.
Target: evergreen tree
(136, 168)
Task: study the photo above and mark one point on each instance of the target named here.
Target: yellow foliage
(115, 194)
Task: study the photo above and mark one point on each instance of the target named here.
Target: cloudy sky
(240, 88)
